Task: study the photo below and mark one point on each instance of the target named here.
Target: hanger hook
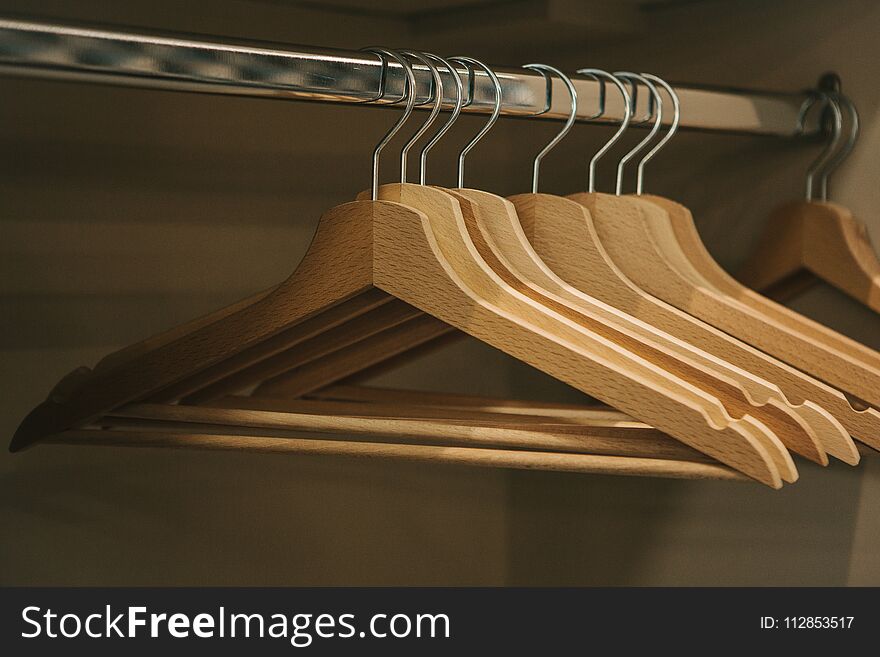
(544, 69)
(409, 91)
(839, 99)
(496, 110)
(820, 164)
(673, 128)
(436, 96)
(595, 73)
(658, 118)
(453, 117)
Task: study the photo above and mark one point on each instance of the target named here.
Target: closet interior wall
(125, 212)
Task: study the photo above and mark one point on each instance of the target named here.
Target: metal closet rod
(318, 74)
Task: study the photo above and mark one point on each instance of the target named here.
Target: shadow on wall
(618, 531)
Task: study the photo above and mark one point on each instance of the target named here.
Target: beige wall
(125, 212)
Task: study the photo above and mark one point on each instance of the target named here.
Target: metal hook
(634, 100)
(459, 101)
(821, 163)
(624, 124)
(496, 110)
(673, 128)
(654, 130)
(839, 99)
(436, 95)
(544, 69)
(410, 89)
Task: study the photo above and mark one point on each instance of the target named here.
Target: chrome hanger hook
(409, 91)
(453, 117)
(436, 95)
(831, 165)
(658, 118)
(544, 69)
(820, 164)
(595, 73)
(496, 110)
(673, 128)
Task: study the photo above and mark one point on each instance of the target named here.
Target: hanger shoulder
(445, 284)
(343, 237)
(632, 246)
(562, 229)
(795, 385)
(822, 240)
(503, 234)
(689, 238)
(132, 352)
(837, 249)
(437, 423)
(779, 254)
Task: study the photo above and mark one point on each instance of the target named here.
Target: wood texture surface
(343, 363)
(307, 349)
(823, 239)
(426, 258)
(312, 288)
(626, 228)
(469, 456)
(685, 230)
(603, 437)
(557, 411)
(567, 241)
(294, 345)
(502, 227)
(494, 229)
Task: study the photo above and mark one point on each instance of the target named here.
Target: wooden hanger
(685, 232)
(418, 453)
(814, 239)
(637, 237)
(528, 260)
(507, 250)
(688, 237)
(423, 257)
(566, 240)
(519, 265)
(587, 412)
(561, 233)
(626, 373)
(861, 422)
(806, 241)
(557, 411)
(631, 239)
(362, 245)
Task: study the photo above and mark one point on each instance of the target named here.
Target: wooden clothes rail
(355, 77)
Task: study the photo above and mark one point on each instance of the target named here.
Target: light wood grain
(306, 348)
(397, 408)
(503, 231)
(426, 260)
(627, 231)
(313, 288)
(246, 367)
(343, 363)
(688, 237)
(629, 439)
(425, 257)
(469, 456)
(823, 239)
(566, 239)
